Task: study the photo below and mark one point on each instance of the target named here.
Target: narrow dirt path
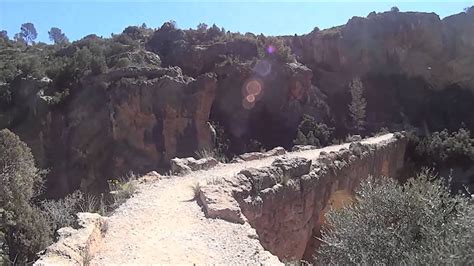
(163, 224)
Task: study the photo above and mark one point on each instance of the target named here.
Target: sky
(79, 18)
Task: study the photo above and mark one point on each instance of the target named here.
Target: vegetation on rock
(312, 133)
(358, 105)
(23, 227)
(417, 222)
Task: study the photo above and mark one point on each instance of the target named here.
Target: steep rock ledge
(286, 202)
(76, 246)
(129, 119)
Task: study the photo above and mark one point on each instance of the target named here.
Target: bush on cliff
(24, 230)
(415, 223)
(455, 148)
(311, 133)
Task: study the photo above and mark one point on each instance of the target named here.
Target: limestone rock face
(183, 166)
(250, 156)
(287, 214)
(220, 205)
(411, 43)
(409, 62)
(76, 246)
(286, 202)
(284, 93)
(130, 119)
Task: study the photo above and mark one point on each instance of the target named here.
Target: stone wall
(286, 201)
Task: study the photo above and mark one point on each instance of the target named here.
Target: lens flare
(252, 91)
(248, 105)
(262, 68)
(271, 49)
(253, 87)
(250, 98)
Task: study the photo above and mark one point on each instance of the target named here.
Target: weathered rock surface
(250, 156)
(286, 202)
(131, 119)
(186, 165)
(284, 93)
(413, 67)
(410, 62)
(220, 205)
(76, 246)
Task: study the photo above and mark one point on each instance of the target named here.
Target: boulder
(220, 205)
(293, 167)
(182, 166)
(76, 246)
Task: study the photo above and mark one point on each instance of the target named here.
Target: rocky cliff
(413, 66)
(162, 87)
(128, 119)
(286, 202)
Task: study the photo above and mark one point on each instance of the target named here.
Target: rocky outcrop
(409, 62)
(181, 166)
(413, 67)
(265, 100)
(250, 156)
(286, 201)
(130, 119)
(76, 246)
(179, 48)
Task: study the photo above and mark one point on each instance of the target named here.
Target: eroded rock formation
(415, 67)
(286, 202)
(409, 63)
(76, 246)
(133, 119)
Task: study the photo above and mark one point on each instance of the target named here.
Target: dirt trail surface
(163, 224)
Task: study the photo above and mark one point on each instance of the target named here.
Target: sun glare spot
(271, 49)
(253, 87)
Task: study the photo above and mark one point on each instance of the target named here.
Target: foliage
(23, 227)
(357, 105)
(32, 66)
(221, 143)
(98, 65)
(274, 47)
(382, 131)
(57, 36)
(394, 9)
(415, 223)
(3, 34)
(28, 32)
(61, 213)
(202, 27)
(255, 145)
(122, 189)
(456, 148)
(311, 133)
(123, 62)
(196, 188)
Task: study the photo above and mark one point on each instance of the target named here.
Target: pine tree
(357, 105)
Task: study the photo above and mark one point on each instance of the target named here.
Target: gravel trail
(162, 224)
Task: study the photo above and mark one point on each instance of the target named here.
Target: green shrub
(62, 212)
(24, 229)
(456, 148)
(274, 47)
(122, 189)
(391, 224)
(98, 65)
(221, 143)
(255, 145)
(311, 133)
(123, 62)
